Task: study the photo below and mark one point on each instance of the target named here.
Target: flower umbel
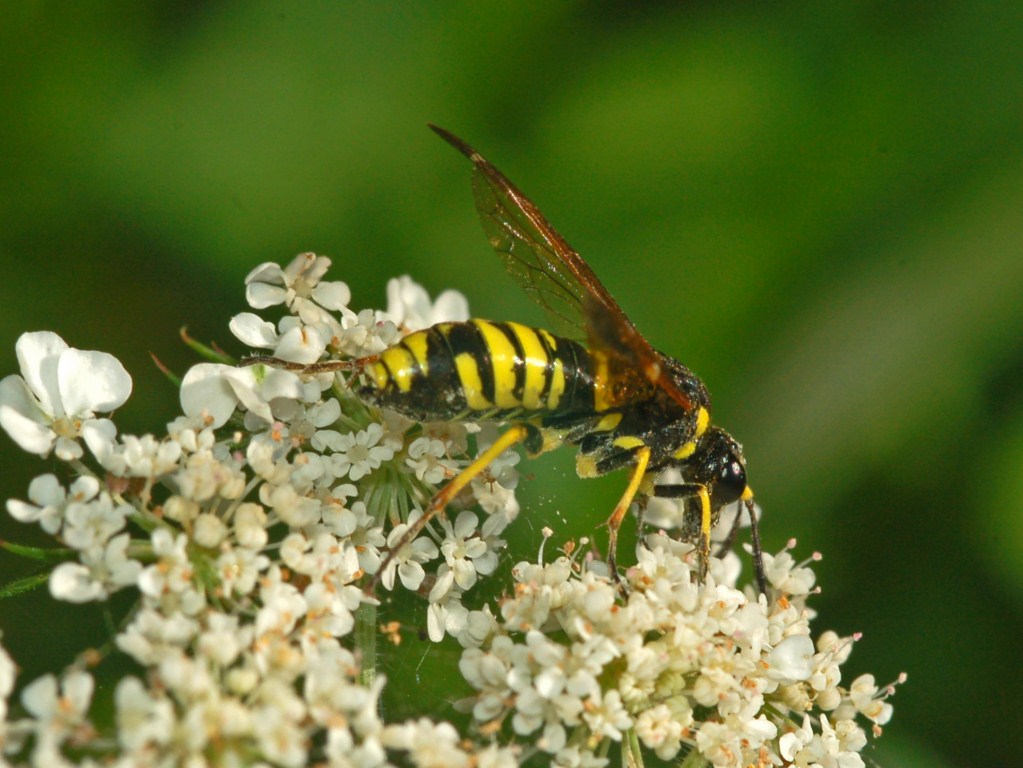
(249, 529)
(572, 662)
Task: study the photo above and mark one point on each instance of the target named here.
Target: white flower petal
(8, 673)
(333, 295)
(24, 512)
(451, 306)
(14, 393)
(67, 449)
(100, 435)
(29, 433)
(47, 490)
(406, 300)
(788, 745)
(408, 305)
(277, 383)
(267, 272)
(791, 660)
(91, 382)
(301, 345)
(78, 687)
(255, 390)
(206, 392)
(39, 696)
(253, 330)
(38, 353)
(261, 295)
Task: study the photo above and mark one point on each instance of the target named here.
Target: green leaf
(24, 584)
(46, 555)
(213, 354)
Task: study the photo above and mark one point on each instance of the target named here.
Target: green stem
(366, 642)
(632, 756)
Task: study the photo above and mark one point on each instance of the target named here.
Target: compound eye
(730, 483)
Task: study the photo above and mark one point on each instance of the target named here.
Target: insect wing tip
(456, 142)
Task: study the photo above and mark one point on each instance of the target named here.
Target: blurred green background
(816, 206)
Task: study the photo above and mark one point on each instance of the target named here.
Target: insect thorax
(610, 441)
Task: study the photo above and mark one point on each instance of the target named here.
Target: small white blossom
(366, 333)
(213, 391)
(102, 571)
(291, 340)
(144, 719)
(407, 561)
(73, 582)
(173, 573)
(409, 306)
(50, 500)
(8, 673)
(863, 694)
(89, 525)
(427, 457)
(785, 574)
(58, 394)
(299, 287)
(429, 744)
(466, 552)
(143, 456)
(60, 708)
(661, 730)
(356, 455)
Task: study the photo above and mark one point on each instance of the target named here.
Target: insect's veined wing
(557, 278)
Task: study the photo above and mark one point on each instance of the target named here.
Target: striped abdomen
(480, 369)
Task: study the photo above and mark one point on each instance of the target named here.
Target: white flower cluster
(250, 530)
(570, 664)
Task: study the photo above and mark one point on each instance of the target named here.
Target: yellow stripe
(502, 363)
(551, 341)
(535, 361)
(557, 388)
(402, 366)
(472, 385)
(702, 421)
(601, 381)
(416, 343)
(608, 423)
(685, 451)
(627, 442)
(379, 375)
(557, 385)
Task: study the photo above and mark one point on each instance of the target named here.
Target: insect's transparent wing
(530, 259)
(557, 278)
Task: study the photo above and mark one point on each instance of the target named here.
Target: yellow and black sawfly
(595, 382)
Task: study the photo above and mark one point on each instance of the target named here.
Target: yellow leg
(445, 495)
(615, 521)
(705, 520)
